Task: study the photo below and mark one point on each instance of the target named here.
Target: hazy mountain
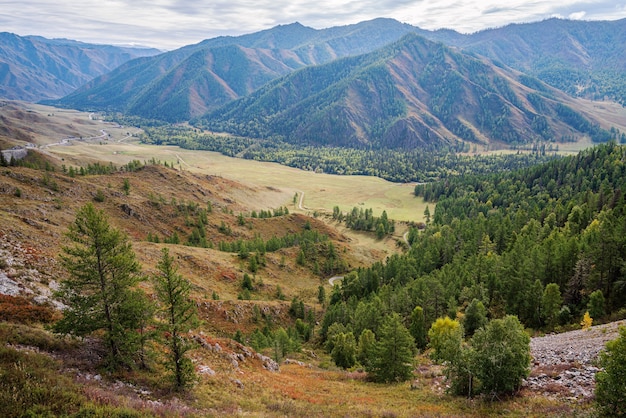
(33, 68)
(582, 58)
(412, 93)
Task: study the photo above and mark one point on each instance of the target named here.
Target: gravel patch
(564, 365)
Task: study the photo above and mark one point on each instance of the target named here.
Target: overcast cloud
(169, 24)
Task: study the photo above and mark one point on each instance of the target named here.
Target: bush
(611, 382)
(445, 336)
(20, 310)
(99, 197)
(501, 358)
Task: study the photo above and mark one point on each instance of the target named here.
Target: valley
(364, 220)
(34, 224)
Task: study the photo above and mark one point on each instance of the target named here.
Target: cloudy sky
(169, 24)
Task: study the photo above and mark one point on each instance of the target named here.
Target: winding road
(333, 279)
(66, 141)
(301, 200)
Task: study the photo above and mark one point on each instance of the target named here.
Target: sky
(170, 24)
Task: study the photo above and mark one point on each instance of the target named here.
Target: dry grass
(45, 125)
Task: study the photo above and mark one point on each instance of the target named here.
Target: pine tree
(393, 360)
(99, 292)
(179, 315)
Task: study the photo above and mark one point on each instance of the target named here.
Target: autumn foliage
(21, 310)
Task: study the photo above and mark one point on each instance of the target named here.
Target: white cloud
(577, 15)
(174, 23)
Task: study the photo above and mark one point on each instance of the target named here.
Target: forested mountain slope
(33, 68)
(189, 81)
(413, 93)
(583, 58)
(502, 240)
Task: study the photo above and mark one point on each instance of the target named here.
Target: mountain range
(34, 68)
(378, 83)
(412, 93)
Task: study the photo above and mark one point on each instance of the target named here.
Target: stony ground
(564, 364)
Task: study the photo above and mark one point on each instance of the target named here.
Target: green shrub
(611, 382)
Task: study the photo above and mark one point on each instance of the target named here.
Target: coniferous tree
(393, 360)
(344, 351)
(179, 315)
(418, 327)
(99, 292)
(366, 347)
(321, 295)
(475, 317)
(551, 304)
(596, 304)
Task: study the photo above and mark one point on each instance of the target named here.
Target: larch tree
(393, 359)
(418, 328)
(99, 292)
(178, 314)
(551, 304)
(475, 317)
(345, 350)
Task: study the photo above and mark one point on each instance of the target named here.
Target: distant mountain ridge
(585, 58)
(34, 68)
(413, 93)
(204, 76)
(582, 58)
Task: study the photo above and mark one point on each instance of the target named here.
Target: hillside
(413, 93)
(488, 237)
(233, 378)
(34, 68)
(161, 203)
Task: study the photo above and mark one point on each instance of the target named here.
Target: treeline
(364, 220)
(270, 213)
(272, 244)
(417, 164)
(546, 244)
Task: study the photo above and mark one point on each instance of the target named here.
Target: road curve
(333, 279)
(301, 200)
